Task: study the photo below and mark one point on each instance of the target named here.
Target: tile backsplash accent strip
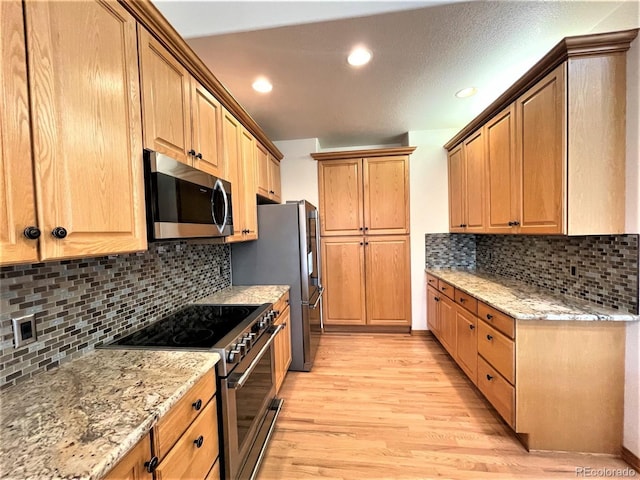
(600, 269)
(81, 303)
(447, 250)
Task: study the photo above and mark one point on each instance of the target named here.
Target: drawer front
(446, 288)
(188, 461)
(497, 349)
(467, 301)
(498, 391)
(433, 281)
(282, 303)
(176, 421)
(497, 319)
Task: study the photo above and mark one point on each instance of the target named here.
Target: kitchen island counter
(247, 295)
(525, 302)
(79, 420)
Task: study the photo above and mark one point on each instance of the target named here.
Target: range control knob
(247, 340)
(233, 356)
(252, 337)
(242, 348)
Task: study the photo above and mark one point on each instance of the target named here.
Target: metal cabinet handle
(59, 232)
(32, 233)
(437, 299)
(191, 152)
(197, 405)
(199, 441)
(199, 156)
(151, 465)
(462, 299)
(489, 377)
(489, 316)
(472, 327)
(489, 337)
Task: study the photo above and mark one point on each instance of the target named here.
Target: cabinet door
(17, 199)
(540, 120)
(87, 142)
(166, 102)
(456, 189)
(282, 348)
(386, 195)
(343, 269)
(474, 173)
(262, 171)
(248, 185)
(231, 129)
(388, 280)
(207, 131)
(131, 467)
(503, 188)
(433, 311)
(467, 343)
(340, 186)
(274, 179)
(448, 324)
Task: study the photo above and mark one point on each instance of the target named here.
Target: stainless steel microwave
(184, 202)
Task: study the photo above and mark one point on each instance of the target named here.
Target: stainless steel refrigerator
(287, 253)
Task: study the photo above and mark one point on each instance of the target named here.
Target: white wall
(299, 172)
(429, 208)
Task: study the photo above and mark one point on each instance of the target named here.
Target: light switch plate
(24, 330)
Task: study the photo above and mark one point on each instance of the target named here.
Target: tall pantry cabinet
(364, 227)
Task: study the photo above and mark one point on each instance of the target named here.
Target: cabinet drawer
(282, 303)
(497, 319)
(498, 391)
(188, 461)
(467, 301)
(446, 288)
(497, 350)
(171, 426)
(433, 281)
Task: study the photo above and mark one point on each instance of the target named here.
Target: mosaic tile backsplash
(445, 250)
(599, 269)
(79, 304)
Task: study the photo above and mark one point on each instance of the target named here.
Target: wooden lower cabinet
(132, 466)
(282, 347)
(185, 442)
(367, 281)
(558, 384)
(467, 343)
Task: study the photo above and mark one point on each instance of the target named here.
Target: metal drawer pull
(489, 316)
(489, 377)
(489, 337)
(462, 300)
(197, 405)
(472, 327)
(437, 299)
(198, 441)
(151, 465)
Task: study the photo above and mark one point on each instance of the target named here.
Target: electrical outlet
(24, 330)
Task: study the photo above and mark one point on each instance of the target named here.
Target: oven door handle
(239, 383)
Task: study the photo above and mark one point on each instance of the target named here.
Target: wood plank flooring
(397, 406)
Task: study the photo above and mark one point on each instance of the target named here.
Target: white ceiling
(421, 57)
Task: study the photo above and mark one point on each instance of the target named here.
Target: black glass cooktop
(194, 326)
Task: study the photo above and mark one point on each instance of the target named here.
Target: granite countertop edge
(512, 285)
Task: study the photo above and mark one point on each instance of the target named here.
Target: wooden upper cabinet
(275, 179)
(541, 157)
(503, 186)
(474, 183)
(17, 196)
(248, 184)
(343, 268)
(455, 165)
(386, 194)
(267, 174)
(181, 118)
(341, 207)
(87, 141)
(166, 100)
(231, 129)
(207, 131)
(388, 279)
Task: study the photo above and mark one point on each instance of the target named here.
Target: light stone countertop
(524, 302)
(247, 295)
(79, 420)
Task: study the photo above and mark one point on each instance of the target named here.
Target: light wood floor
(396, 406)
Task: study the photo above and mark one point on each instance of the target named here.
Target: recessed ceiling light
(467, 92)
(359, 56)
(262, 85)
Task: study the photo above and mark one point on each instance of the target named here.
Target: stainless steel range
(242, 335)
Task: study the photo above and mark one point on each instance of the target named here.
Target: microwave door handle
(219, 186)
(235, 384)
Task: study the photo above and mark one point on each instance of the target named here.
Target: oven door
(249, 409)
